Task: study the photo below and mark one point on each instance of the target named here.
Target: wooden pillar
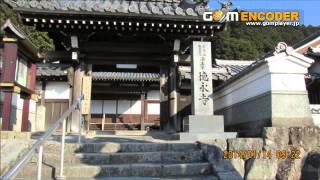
(70, 75)
(25, 114)
(6, 110)
(26, 102)
(86, 90)
(76, 92)
(173, 98)
(43, 93)
(164, 97)
(142, 98)
(10, 51)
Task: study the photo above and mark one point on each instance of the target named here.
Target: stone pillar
(76, 92)
(10, 51)
(202, 124)
(164, 97)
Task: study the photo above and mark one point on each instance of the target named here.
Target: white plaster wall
(17, 101)
(315, 117)
(153, 95)
(16, 113)
(96, 106)
(124, 106)
(135, 107)
(285, 64)
(154, 108)
(40, 118)
(288, 82)
(280, 73)
(129, 107)
(253, 84)
(32, 115)
(57, 90)
(109, 106)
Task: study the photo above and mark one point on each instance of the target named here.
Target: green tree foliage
(239, 41)
(40, 39)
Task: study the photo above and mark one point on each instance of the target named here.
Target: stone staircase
(123, 161)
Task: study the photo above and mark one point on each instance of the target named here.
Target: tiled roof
(125, 76)
(223, 70)
(233, 66)
(51, 70)
(314, 51)
(161, 7)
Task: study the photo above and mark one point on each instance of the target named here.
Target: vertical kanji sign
(202, 103)
(86, 91)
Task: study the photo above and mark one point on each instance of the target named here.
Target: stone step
(54, 147)
(201, 177)
(121, 170)
(198, 177)
(127, 157)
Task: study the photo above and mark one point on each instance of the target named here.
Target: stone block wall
(285, 154)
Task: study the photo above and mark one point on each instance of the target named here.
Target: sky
(309, 8)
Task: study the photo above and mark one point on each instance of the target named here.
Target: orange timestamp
(262, 154)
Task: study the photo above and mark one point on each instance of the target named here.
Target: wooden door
(54, 110)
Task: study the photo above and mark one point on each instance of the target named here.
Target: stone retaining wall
(15, 135)
(286, 153)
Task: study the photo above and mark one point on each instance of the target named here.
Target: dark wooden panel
(122, 122)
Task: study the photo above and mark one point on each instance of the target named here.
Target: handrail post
(63, 131)
(39, 170)
(80, 120)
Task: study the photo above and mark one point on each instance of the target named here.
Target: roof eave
(33, 11)
(8, 26)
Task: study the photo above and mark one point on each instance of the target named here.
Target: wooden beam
(146, 62)
(108, 58)
(125, 47)
(126, 56)
(164, 97)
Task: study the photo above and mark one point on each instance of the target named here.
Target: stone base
(186, 136)
(204, 124)
(204, 127)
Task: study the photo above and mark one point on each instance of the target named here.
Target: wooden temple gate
(95, 36)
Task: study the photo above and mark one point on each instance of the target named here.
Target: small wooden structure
(18, 73)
